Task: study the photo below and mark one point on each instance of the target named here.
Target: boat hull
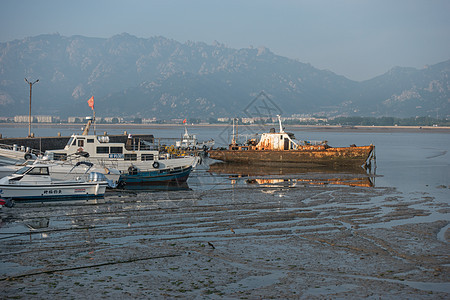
(157, 177)
(333, 156)
(53, 191)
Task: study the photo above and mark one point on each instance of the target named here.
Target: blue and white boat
(176, 175)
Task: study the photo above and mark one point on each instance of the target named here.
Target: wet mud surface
(231, 238)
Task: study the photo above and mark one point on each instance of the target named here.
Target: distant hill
(162, 78)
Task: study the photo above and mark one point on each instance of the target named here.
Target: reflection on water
(171, 186)
(291, 176)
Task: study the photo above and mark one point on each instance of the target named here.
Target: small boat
(280, 148)
(169, 176)
(190, 142)
(34, 182)
(137, 160)
(64, 169)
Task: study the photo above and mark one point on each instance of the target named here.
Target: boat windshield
(70, 141)
(22, 170)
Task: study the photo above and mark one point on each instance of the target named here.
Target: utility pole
(29, 116)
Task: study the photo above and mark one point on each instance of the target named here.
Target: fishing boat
(190, 142)
(64, 169)
(281, 148)
(35, 182)
(139, 161)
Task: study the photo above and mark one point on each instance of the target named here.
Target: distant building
(22, 119)
(303, 119)
(147, 120)
(36, 119)
(255, 120)
(5, 119)
(75, 119)
(112, 120)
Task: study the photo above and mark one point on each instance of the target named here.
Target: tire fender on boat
(27, 156)
(155, 165)
(132, 170)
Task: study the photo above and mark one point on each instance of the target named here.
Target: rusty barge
(281, 148)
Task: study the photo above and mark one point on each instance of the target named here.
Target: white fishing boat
(35, 182)
(136, 157)
(190, 142)
(64, 170)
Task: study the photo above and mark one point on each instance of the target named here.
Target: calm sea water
(412, 162)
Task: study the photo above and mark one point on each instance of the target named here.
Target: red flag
(184, 121)
(91, 102)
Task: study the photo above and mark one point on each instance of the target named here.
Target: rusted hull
(339, 156)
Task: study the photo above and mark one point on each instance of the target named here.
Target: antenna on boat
(233, 141)
(279, 121)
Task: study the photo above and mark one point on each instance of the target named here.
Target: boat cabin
(31, 174)
(100, 147)
(277, 141)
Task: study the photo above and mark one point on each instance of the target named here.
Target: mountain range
(163, 78)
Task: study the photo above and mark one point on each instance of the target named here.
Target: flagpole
(91, 105)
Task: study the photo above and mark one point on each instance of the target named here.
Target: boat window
(90, 141)
(70, 141)
(116, 150)
(80, 143)
(132, 156)
(38, 171)
(102, 150)
(22, 170)
(281, 137)
(145, 157)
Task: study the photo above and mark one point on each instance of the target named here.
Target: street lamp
(29, 116)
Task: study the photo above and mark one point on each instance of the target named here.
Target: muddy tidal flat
(232, 239)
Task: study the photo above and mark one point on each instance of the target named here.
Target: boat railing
(139, 144)
(22, 149)
(313, 143)
(247, 139)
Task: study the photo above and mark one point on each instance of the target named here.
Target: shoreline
(305, 127)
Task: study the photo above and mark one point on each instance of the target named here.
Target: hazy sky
(359, 39)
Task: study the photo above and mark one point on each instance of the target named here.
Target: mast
(233, 140)
(279, 121)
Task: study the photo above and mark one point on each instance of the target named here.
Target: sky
(359, 39)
